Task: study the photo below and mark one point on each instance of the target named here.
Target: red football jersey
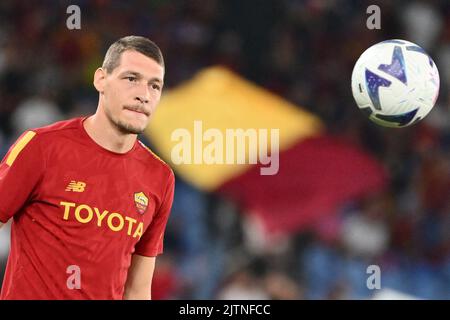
(79, 213)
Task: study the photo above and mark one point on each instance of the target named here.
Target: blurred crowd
(302, 50)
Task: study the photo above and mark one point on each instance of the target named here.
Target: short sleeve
(20, 171)
(151, 242)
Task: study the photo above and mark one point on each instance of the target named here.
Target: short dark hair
(136, 43)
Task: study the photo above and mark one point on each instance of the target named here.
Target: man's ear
(99, 79)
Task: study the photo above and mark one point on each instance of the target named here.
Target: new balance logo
(76, 186)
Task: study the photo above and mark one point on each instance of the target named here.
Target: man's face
(131, 91)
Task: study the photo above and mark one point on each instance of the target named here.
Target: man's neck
(103, 132)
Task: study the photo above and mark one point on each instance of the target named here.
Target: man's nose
(143, 95)
(142, 99)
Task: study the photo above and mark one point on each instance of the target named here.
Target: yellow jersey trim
(149, 150)
(19, 147)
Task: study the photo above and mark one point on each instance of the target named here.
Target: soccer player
(89, 202)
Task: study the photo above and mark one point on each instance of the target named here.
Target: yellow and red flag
(316, 172)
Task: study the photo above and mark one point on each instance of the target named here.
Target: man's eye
(156, 86)
(131, 79)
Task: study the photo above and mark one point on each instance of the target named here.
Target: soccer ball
(395, 83)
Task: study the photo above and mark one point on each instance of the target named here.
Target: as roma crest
(141, 202)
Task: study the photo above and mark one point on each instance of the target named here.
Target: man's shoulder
(46, 136)
(58, 127)
(152, 157)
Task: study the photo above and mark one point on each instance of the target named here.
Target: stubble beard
(123, 127)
